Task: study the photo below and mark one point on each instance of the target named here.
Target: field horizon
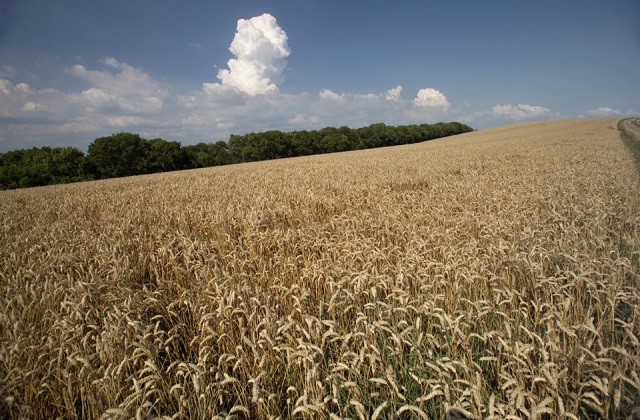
(494, 273)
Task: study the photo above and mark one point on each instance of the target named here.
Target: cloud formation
(260, 47)
(520, 111)
(431, 98)
(126, 90)
(606, 112)
(21, 102)
(117, 96)
(394, 94)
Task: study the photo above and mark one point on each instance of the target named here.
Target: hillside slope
(494, 271)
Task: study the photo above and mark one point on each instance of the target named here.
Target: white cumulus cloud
(520, 111)
(330, 95)
(127, 88)
(118, 96)
(20, 100)
(260, 46)
(431, 98)
(393, 94)
(301, 120)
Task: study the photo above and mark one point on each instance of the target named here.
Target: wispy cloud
(606, 112)
(520, 112)
(7, 71)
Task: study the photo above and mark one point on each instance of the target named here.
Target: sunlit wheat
(488, 275)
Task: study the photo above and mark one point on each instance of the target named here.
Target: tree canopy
(41, 166)
(126, 154)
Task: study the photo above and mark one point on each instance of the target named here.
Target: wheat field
(490, 275)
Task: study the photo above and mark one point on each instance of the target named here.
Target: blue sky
(193, 71)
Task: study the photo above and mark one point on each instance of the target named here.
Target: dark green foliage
(303, 143)
(126, 154)
(276, 144)
(260, 146)
(164, 156)
(203, 155)
(121, 154)
(41, 166)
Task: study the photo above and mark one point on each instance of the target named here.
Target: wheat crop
(493, 274)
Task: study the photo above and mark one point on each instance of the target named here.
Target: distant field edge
(630, 133)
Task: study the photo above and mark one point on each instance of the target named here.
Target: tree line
(126, 154)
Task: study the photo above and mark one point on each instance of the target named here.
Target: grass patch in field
(630, 133)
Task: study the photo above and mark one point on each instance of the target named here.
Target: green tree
(40, 166)
(302, 143)
(164, 156)
(371, 136)
(203, 155)
(336, 142)
(66, 165)
(121, 154)
(250, 147)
